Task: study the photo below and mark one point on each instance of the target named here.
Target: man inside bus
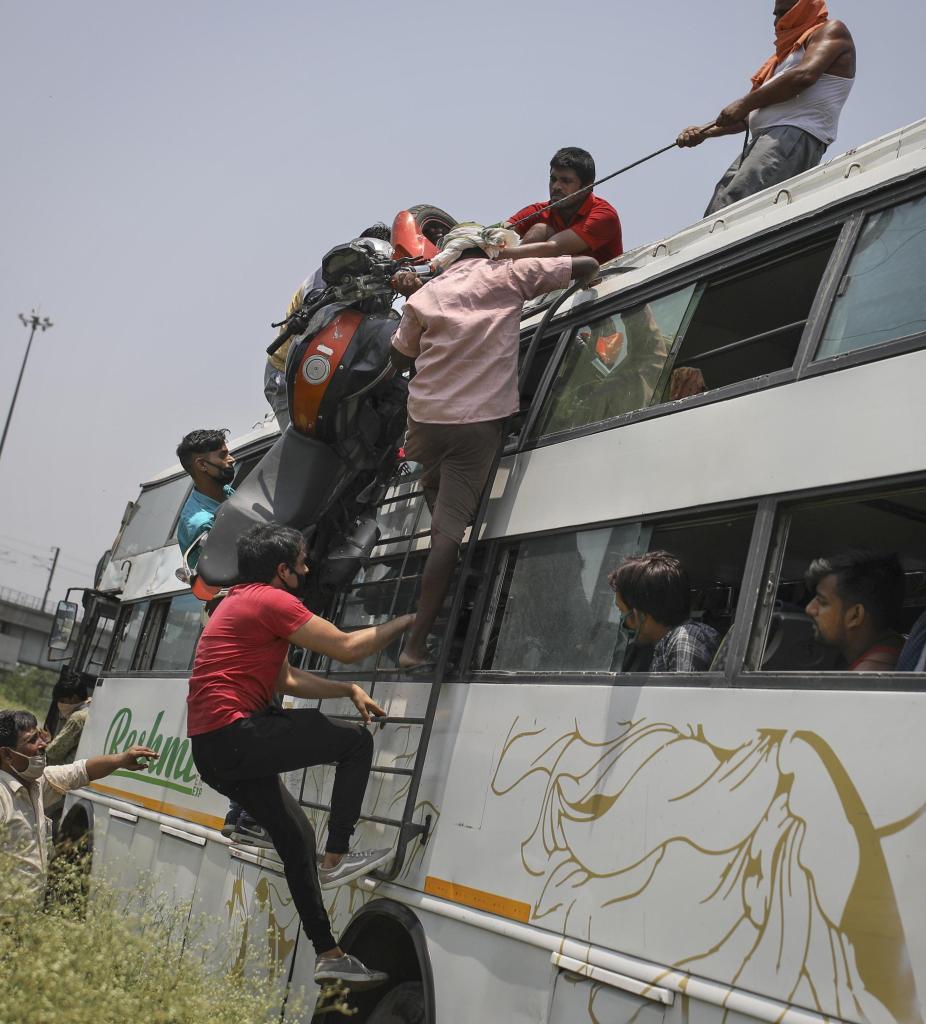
(583, 224)
(794, 106)
(275, 390)
(857, 601)
(27, 783)
(653, 594)
(241, 741)
(461, 333)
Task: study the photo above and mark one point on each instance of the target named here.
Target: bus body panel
(864, 422)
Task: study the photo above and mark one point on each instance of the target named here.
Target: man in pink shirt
(461, 332)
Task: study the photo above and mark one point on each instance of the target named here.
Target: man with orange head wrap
(793, 108)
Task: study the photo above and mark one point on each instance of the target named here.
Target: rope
(600, 181)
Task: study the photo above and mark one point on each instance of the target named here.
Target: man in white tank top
(793, 108)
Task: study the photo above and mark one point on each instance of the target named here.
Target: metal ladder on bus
(408, 828)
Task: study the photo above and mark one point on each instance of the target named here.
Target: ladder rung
(404, 537)
(400, 497)
(385, 770)
(416, 828)
(380, 721)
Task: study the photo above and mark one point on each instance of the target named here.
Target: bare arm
(831, 49)
(584, 268)
(323, 637)
(563, 243)
(832, 45)
(296, 683)
(105, 764)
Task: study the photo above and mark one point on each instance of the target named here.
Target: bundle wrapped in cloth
(473, 236)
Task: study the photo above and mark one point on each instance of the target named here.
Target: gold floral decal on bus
(266, 894)
(757, 865)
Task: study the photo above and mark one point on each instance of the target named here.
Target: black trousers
(243, 761)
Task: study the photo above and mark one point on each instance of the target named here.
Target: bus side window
(126, 636)
(178, 634)
(743, 324)
(886, 523)
(552, 608)
(881, 297)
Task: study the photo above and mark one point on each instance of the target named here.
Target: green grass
(27, 689)
(94, 961)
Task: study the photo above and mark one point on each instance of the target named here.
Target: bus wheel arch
(388, 936)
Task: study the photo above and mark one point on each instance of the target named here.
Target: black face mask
(226, 474)
(301, 588)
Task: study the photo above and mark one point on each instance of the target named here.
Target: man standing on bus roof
(857, 601)
(461, 332)
(205, 456)
(241, 741)
(794, 106)
(27, 783)
(582, 225)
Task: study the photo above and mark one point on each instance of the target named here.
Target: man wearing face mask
(26, 783)
(205, 456)
(241, 741)
(653, 594)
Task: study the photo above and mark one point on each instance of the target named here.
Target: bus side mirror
(63, 626)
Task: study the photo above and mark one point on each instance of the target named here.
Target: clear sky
(172, 171)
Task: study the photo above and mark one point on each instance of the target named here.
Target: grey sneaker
(248, 832)
(351, 866)
(349, 970)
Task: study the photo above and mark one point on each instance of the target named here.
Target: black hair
(378, 230)
(571, 158)
(263, 547)
(656, 584)
(71, 687)
(199, 442)
(873, 579)
(12, 723)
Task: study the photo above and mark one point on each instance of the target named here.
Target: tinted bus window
(153, 518)
(885, 523)
(612, 365)
(553, 609)
(179, 633)
(881, 297)
(128, 630)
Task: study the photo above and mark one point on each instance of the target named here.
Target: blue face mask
(632, 632)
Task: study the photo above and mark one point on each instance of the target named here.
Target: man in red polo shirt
(584, 225)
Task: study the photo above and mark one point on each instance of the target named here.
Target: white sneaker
(349, 970)
(351, 866)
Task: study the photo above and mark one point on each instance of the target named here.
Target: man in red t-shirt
(583, 225)
(241, 741)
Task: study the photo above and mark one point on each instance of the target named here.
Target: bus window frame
(807, 364)
(764, 584)
(846, 216)
(498, 547)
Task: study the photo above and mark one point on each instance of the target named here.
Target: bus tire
(403, 1004)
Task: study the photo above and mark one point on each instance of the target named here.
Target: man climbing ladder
(461, 333)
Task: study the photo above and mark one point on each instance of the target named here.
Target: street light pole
(32, 321)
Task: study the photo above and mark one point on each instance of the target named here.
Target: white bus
(578, 840)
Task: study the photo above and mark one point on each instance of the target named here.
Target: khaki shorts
(457, 459)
